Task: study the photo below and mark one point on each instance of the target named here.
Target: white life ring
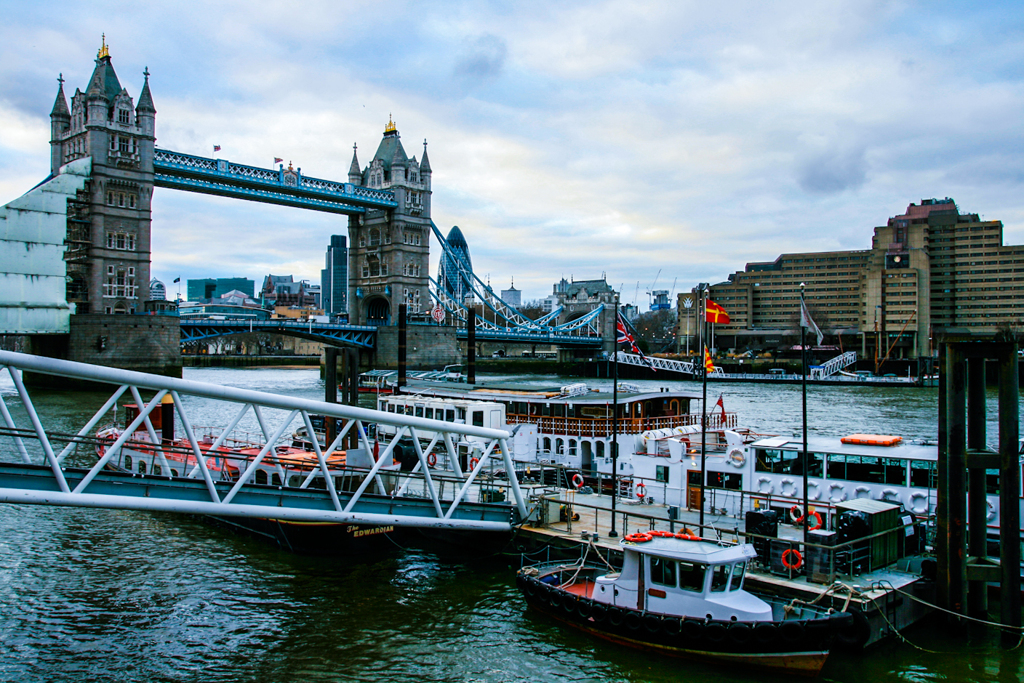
(641, 490)
(577, 480)
(991, 514)
(836, 492)
(862, 492)
(813, 490)
(765, 485)
(736, 457)
(916, 507)
(890, 496)
(790, 484)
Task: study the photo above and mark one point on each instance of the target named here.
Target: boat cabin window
(461, 414)
(294, 481)
(868, 468)
(737, 576)
(691, 576)
(174, 472)
(572, 447)
(478, 418)
(600, 450)
(449, 415)
(787, 462)
(261, 477)
(663, 571)
(128, 462)
(275, 479)
(720, 578)
(923, 474)
(419, 411)
(547, 444)
(428, 413)
(724, 480)
(661, 474)
(157, 470)
(142, 466)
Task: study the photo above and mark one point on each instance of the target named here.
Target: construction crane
(650, 290)
(673, 292)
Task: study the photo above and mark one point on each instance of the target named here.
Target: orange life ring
(577, 480)
(473, 463)
(688, 537)
(816, 517)
(638, 537)
(797, 563)
(658, 533)
(432, 459)
(641, 490)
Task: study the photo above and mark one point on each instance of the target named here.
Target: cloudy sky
(566, 139)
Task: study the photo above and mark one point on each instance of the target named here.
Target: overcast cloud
(566, 139)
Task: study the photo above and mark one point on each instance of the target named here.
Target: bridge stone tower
(389, 249)
(108, 243)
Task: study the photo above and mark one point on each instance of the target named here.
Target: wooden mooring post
(964, 568)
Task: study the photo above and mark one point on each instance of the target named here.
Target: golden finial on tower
(104, 52)
(390, 128)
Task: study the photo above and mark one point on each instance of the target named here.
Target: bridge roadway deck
(36, 484)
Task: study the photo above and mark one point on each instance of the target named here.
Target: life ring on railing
(432, 459)
(832, 489)
(577, 480)
(890, 496)
(918, 496)
(736, 457)
(816, 492)
(473, 463)
(639, 537)
(787, 482)
(796, 515)
(796, 562)
(862, 492)
(991, 513)
(641, 490)
(761, 488)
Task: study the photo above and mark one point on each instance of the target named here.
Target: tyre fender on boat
(652, 622)
(765, 632)
(715, 632)
(855, 633)
(836, 492)
(598, 612)
(736, 457)
(691, 630)
(787, 487)
(615, 615)
(791, 631)
(585, 608)
(632, 620)
(889, 495)
(740, 633)
(991, 512)
(765, 485)
(672, 626)
(918, 502)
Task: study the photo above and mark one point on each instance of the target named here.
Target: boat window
(142, 467)
(449, 415)
(559, 447)
(260, 477)
(867, 468)
(275, 479)
(128, 462)
(720, 578)
(673, 407)
(157, 469)
(600, 449)
(774, 460)
(663, 571)
(572, 447)
(691, 576)
(174, 472)
(923, 474)
(725, 480)
(547, 444)
(737, 576)
(461, 414)
(661, 473)
(429, 413)
(317, 483)
(478, 418)
(992, 481)
(419, 411)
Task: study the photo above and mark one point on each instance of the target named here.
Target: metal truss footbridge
(429, 490)
(361, 336)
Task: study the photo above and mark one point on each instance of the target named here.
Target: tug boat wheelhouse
(683, 596)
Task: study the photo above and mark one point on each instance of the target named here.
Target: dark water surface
(101, 595)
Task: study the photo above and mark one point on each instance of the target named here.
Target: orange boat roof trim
(872, 440)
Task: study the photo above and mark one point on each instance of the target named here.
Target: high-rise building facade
(108, 241)
(334, 278)
(929, 268)
(455, 269)
(389, 248)
(211, 288)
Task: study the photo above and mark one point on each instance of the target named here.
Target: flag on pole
(278, 160)
(708, 365)
(624, 336)
(806, 321)
(721, 405)
(714, 313)
(177, 279)
(216, 148)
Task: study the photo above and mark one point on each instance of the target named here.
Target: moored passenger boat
(683, 596)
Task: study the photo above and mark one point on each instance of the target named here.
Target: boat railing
(603, 426)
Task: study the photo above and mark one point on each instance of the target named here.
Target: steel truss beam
(363, 336)
(384, 495)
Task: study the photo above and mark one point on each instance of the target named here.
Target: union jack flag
(627, 337)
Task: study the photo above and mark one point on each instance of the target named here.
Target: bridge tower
(108, 243)
(389, 249)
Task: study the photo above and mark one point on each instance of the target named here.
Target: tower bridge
(90, 223)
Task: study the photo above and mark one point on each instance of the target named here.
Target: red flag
(722, 406)
(714, 313)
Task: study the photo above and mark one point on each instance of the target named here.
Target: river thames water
(103, 595)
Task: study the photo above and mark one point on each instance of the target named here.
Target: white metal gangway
(384, 495)
(834, 365)
(688, 367)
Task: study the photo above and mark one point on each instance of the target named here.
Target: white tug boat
(679, 595)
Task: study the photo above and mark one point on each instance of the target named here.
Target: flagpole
(803, 383)
(701, 325)
(615, 415)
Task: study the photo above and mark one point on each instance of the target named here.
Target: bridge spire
(355, 175)
(425, 164)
